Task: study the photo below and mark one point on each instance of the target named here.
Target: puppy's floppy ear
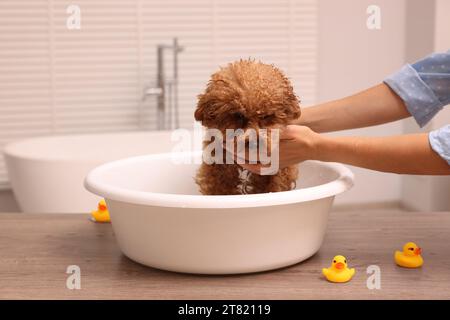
(293, 105)
(296, 111)
(201, 106)
(214, 94)
(291, 102)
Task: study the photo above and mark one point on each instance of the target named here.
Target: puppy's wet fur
(246, 94)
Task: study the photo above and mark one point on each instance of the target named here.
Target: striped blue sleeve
(425, 88)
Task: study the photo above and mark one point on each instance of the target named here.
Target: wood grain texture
(35, 251)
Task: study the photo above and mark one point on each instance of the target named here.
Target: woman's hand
(407, 154)
(296, 144)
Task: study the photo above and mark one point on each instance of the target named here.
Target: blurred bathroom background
(103, 76)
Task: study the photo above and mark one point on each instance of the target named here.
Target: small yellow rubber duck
(102, 213)
(338, 271)
(410, 257)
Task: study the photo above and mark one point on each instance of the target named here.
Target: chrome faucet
(166, 91)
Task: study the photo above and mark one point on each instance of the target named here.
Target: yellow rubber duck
(338, 271)
(410, 257)
(102, 213)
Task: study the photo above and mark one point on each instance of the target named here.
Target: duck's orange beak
(101, 207)
(417, 251)
(340, 265)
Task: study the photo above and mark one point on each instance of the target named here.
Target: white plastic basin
(160, 219)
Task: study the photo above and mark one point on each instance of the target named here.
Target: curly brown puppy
(246, 94)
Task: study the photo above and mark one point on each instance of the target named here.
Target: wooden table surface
(35, 251)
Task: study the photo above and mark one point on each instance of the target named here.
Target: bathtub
(46, 173)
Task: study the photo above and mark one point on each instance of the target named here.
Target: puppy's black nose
(240, 120)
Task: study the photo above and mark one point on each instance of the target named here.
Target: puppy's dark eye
(268, 117)
(238, 115)
(240, 120)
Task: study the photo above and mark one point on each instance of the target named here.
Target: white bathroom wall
(56, 80)
(59, 80)
(353, 58)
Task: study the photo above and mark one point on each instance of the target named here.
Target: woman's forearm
(376, 105)
(407, 154)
